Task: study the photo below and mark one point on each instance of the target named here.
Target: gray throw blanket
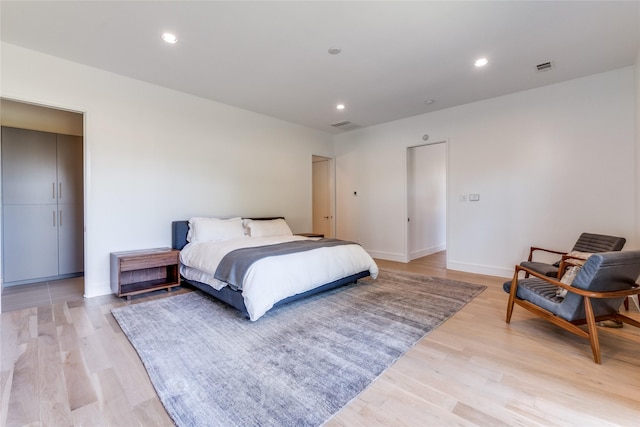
(235, 264)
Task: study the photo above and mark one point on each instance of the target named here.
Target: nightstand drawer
(149, 261)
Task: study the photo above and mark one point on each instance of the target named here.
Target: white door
(322, 216)
(427, 200)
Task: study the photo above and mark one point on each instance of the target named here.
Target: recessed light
(481, 62)
(430, 101)
(340, 106)
(335, 50)
(169, 38)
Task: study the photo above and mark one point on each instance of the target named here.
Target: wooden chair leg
(626, 304)
(593, 331)
(512, 296)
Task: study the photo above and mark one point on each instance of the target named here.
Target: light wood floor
(42, 293)
(70, 364)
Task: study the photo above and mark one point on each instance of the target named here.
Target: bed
(255, 264)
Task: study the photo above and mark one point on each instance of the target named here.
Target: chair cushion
(542, 268)
(589, 242)
(537, 292)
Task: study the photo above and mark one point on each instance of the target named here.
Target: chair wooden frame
(591, 333)
(551, 251)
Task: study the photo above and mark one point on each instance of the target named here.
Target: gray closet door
(69, 169)
(70, 208)
(43, 227)
(30, 236)
(29, 172)
(70, 239)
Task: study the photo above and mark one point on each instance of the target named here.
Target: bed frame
(179, 230)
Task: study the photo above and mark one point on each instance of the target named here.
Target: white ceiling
(271, 57)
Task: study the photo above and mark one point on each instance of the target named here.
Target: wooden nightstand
(136, 272)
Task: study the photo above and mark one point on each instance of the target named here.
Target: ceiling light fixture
(430, 101)
(340, 106)
(481, 62)
(169, 38)
(335, 50)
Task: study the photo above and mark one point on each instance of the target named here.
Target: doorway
(426, 199)
(61, 132)
(322, 195)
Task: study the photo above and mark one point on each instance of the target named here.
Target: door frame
(331, 183)
(407, 249)
(85, 176)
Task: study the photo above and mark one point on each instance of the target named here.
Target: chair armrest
(539, 276)
(565, 262)
(635, 290)
(534, 248)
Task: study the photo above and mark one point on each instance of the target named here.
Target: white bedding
(272, 279)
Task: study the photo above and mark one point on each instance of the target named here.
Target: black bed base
(179, 231)
(235, 299)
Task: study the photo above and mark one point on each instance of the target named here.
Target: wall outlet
(474, 197)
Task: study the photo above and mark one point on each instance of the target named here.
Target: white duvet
(272, 279)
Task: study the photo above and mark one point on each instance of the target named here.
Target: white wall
(154, 155)
(548, 164)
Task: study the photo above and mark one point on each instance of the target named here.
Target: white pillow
(214, 229)
(268, 228)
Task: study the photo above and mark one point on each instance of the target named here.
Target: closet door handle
(54, 218)
(60, 192)
(60, 217)
(53, 190)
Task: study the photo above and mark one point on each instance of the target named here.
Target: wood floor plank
(67, 337)
(81, 321)
(24, 405)
(116, 408)
(5, 390)
(93, 353)
(61, 314)
(52, 391)
(152, 413)
(129, 368)
(89, 415)
(477, 417)
(80, 388)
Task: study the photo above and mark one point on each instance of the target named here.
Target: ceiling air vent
(545, 66)
(345, 125)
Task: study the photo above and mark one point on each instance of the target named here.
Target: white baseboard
(97, 291)
(388, 256)
(451, 265)
(425, 252)
(481, 269)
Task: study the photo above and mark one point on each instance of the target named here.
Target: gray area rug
(296, 366)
